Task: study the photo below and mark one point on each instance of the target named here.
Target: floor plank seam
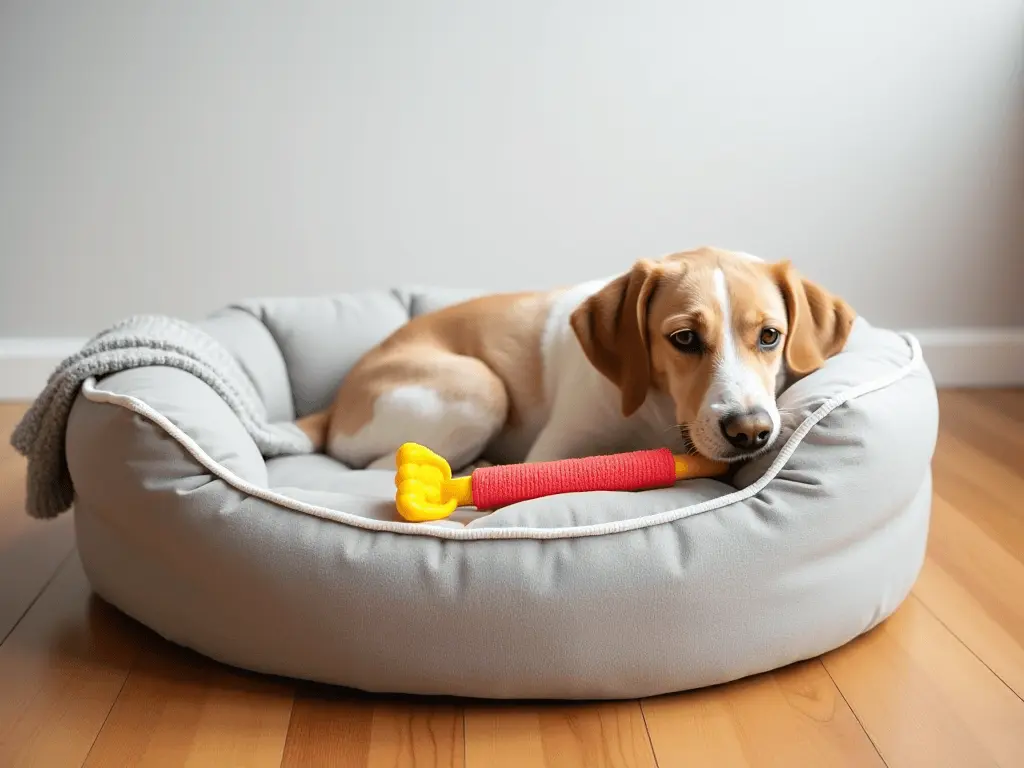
(853, 711)
(957, 637)
(113, 703)
(288, 726)
(647, 731)
(465, 746)
(60, 566)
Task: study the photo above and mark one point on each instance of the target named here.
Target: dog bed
(298, 566)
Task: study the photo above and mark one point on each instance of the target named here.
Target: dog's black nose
(747, 431)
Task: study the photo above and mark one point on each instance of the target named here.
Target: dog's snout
(748, 431)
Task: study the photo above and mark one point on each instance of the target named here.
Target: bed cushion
(299, 566)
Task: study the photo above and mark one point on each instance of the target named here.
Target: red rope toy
(426, 490)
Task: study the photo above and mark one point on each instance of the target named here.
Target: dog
(687, 352)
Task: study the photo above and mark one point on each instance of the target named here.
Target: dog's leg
(315, 427)
(450, 403)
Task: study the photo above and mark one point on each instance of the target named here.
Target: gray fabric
(144, 340)
(250, 342)
(321, 338)
(824, 552)
(427, 300)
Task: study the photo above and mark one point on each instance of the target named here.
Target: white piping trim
(96, 395)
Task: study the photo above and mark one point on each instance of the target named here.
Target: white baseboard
(957, 357)
(26, 364)
(974, 357)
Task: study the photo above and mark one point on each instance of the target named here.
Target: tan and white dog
(688, 352)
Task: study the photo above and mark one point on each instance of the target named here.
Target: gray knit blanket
(133, 343)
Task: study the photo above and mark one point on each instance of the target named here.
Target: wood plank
(591, 735)
(982, 448)
(973, 585)
(336, 727)
(979, 562)
(924, 698)
(61, 670)
(179, 708)
(1009, 402)
(31, 550)
(793, 716)
(974, 572)
(990, 493)
(967, 618)
(976, 421)
(328, 728)
(10, 415)
(410, 733)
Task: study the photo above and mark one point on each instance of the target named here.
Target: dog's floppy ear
(611, 326)
(819, 323)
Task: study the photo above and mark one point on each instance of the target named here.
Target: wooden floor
(938, 684)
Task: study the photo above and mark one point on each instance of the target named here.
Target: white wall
(170, 157)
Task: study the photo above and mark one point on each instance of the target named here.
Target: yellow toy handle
(425, 489)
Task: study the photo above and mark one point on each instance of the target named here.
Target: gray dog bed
(298, 566)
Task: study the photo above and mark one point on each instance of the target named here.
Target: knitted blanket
(133, 343)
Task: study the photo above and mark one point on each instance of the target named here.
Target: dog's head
(719, 332)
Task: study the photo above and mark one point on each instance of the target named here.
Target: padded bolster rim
(916, 362)
(256, 310)
(266, 367)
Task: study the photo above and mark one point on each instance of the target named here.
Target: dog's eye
(769, 338)
(685, 341)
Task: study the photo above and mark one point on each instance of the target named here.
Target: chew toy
(426, 490)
